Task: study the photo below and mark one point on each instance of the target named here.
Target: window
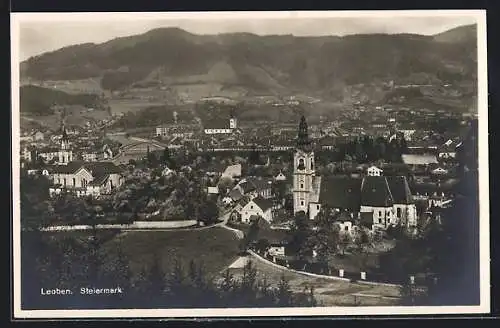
(301, 185)
(398, 212)
(379, 220)
(346, 228)
(74, 182)
(379, 213)
(65, 182)
(317, 207)
(312, 166)
(251, 207)
(301, 203)
(301, 165)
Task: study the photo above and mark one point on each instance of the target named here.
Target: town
(326, 198)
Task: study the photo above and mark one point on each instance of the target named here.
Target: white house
(259, 207)
(276, 250)
(161, 131)
(220, 126)
(448, 150)
(92, 178)
(280, 177)
(374, 171)
(213, 190)
(439, 171)
(167, 171)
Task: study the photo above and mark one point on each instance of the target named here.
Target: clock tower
(303, 170)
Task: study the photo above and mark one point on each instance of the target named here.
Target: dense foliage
(39, 101)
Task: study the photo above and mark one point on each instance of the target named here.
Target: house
(214, 170)
(277, 249)
(263, 186)
(87, 178)
(107, 152)
(346, 223)
(374, 171)
(389, 200)
(218, 126)
(167, 172)
(227, 200)
(439, 171)
(213, 190)
(161, 131)
(257, 207)
(90, 157)
(448, 150)
(280, 176)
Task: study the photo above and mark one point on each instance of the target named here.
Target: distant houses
(220, 126)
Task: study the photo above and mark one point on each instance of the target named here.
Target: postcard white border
(483, 308)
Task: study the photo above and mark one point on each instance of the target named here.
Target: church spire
(303, 136)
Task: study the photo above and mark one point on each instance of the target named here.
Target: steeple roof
(303, 141)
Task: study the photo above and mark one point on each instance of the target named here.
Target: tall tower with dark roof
(303, 169)
(65, 153)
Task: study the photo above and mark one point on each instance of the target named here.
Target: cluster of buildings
(74, 167)
(378, 201)
(372, 196)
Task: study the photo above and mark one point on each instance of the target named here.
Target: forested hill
(277, 64)
(36, 100)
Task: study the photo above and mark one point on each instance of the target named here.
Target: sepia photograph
(249, 164)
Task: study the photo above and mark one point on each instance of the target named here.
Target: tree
(208, 211)
(34, 200)
(407, 292)
(326, 236)
(152, 159)
(344, 241)
(250, 236)
(156, 281)
(279, 190)
(262, 245)
(254, 157)
(283, 293)
(300, 233)
(224, 184)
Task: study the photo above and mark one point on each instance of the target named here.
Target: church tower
(303, 170)
(65, 153)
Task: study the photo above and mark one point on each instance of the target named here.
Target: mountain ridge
(278, 64)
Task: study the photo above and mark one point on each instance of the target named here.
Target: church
(381, 200)
(61, 155)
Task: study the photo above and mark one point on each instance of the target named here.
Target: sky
(40, 34)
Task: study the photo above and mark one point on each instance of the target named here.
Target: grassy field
(216, 248)
(328, 292)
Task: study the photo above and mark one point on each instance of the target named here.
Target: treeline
(39, 101)
(73, 263)
(366, 149)
(154, 115)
